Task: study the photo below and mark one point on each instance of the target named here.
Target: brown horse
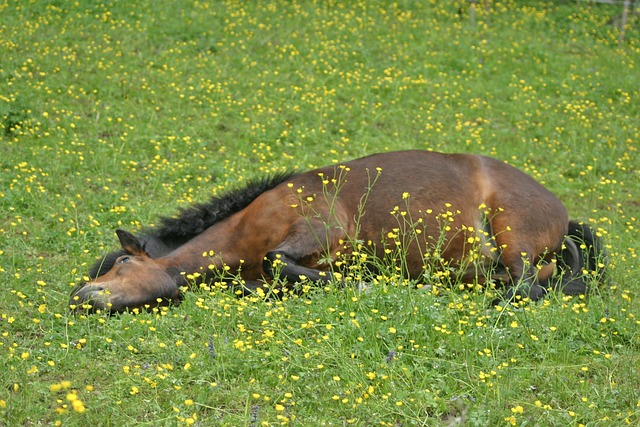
(480, 218)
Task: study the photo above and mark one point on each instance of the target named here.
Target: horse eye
(123, 259)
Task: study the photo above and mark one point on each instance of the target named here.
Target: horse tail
(582, 259)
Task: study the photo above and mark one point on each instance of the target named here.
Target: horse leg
(307, 243)
(292, 271)
(526, 286)
(249, 287)
(523, 281)
(525, 239)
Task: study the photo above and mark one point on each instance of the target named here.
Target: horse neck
(211, 249)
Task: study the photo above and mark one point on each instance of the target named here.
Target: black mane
(175, 231)
(195, 219)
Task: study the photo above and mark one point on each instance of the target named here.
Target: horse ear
(131, 243)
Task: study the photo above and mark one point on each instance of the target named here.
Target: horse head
(134, 281)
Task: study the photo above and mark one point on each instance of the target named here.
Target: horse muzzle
(90, 298)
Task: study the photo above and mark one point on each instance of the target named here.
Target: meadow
(113, 114)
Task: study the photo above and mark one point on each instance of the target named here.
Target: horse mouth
(89, 298)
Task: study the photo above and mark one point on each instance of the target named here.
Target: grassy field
(114, 113)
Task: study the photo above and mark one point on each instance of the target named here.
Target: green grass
(113, 113)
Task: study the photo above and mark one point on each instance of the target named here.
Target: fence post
(626, 4)
(472, 12)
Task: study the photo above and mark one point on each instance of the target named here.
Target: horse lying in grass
(482, 219)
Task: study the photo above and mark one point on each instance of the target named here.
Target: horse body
(297, 230)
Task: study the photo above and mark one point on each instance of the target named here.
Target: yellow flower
(77, 405)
